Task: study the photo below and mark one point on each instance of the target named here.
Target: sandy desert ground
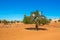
(18, 31)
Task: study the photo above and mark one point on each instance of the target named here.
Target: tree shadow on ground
(35, 29)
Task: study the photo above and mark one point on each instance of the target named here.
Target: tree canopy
(41, 18)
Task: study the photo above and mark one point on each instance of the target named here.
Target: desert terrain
(18, 31)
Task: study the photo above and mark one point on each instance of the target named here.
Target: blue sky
(16, 9)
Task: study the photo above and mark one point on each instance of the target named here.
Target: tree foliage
(29, 19)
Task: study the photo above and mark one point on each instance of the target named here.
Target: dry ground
(17, 31)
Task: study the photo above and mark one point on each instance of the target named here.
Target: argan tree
(36, 18)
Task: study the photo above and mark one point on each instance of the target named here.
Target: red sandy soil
(17, 31)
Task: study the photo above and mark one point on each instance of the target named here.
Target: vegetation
(7, 22)
(58, 20)
(30, 19)
(27, 20)
(42, 19)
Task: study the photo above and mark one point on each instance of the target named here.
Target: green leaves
(41, 18)
(26, 19)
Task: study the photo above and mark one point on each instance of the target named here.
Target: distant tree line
(7, 22)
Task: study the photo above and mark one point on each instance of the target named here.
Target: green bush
(5, 21)
(0, 21)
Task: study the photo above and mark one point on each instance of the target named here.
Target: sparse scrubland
(16, 30)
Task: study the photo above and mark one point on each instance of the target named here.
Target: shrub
(58, 20)
(5, 21)
(0, 21)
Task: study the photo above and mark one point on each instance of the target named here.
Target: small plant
(5, 21)
(0, 21)
(11, 21)
(55, 21)
(58, 20)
